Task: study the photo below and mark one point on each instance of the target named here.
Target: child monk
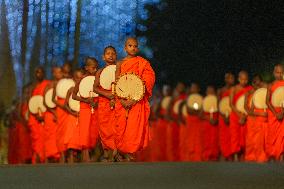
(237, 118)
(162, 126)
(36, 121)
(209, 132)
(275, 129)
(87, 124)
(194, 123)
(50, 119)
(72, 136)
(256, 125)
(106, 108)
(132, 132)
(173, 131)
(224, 130)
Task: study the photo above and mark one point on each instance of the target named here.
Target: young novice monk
(224, 130)
(50, 119)
(106, 108)
(237, 118)
(132, 132)
(209, 133)
(275, 129)
(72, 137)
(256, 125)
(87, 118)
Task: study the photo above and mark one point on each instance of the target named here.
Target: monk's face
(66, 68)
(256, 82)
(166, 91)
(57, 73)
(131, 47)
(194, 88)
(110, 56)
(210, 91)
(180, 88)
(229, 79)
(78, 75)
(91, 66)
(39, 74)
(278, 72)
(243, 79)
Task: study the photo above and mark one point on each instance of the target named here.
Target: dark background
(200, 40)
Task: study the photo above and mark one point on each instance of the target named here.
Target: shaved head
(131, 39)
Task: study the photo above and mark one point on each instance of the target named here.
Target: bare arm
(233, 107)
(249, 110)
(75, 95)
(54, 98)
(66, 104)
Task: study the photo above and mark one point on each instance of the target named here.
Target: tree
(77, 34)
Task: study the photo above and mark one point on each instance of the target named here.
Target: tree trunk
(35, 57)
(77, 34)
(7, 75)
(68, 31)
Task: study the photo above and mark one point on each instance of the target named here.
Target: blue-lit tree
(48, 32)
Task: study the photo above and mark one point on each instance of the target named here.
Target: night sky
(200, 40)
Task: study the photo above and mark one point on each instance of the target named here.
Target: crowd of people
(106, 128)
(111, 129)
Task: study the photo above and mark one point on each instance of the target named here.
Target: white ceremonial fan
(36, 104)
(177, 106)
(166, 102)
(224, 106)
(210, 104)
(48, 99)
(86, 87)
(130, 86)
(107, 77)
(74, 104)
(259, 98)
(194, 101)
(277, 98)
(240, 105)
(63, 86)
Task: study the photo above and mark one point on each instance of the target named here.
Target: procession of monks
(112, 129)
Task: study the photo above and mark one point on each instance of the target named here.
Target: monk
(50, 119)
(209, 132)
(194, 124)
(88, 124)
(173, 131)
(25, 150)
(106, 109)
(237, 118)
(224, 130)
(36, 121)
(62, 114)
(132, 132)
(163, 126)
(256, 125)
(72, 136)
(275, 129)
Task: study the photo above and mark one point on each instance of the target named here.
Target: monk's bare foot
(236, 158)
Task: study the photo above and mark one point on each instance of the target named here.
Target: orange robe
(255, 137)
(62, 125)
(132, 133)
(71, 138)
(161, 135)
(94, 127)
(37, 128)
(13, 156)
(88, 126)
(209, 135)
(237, 131)
(50, 127)
(224, 133)
(275, 130)
(25, 146)
(194, 142)
(106, 123)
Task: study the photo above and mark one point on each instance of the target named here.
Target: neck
(130, 56)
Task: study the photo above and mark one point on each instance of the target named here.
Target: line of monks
(257, 136)
(147, 134)
(97, 132)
